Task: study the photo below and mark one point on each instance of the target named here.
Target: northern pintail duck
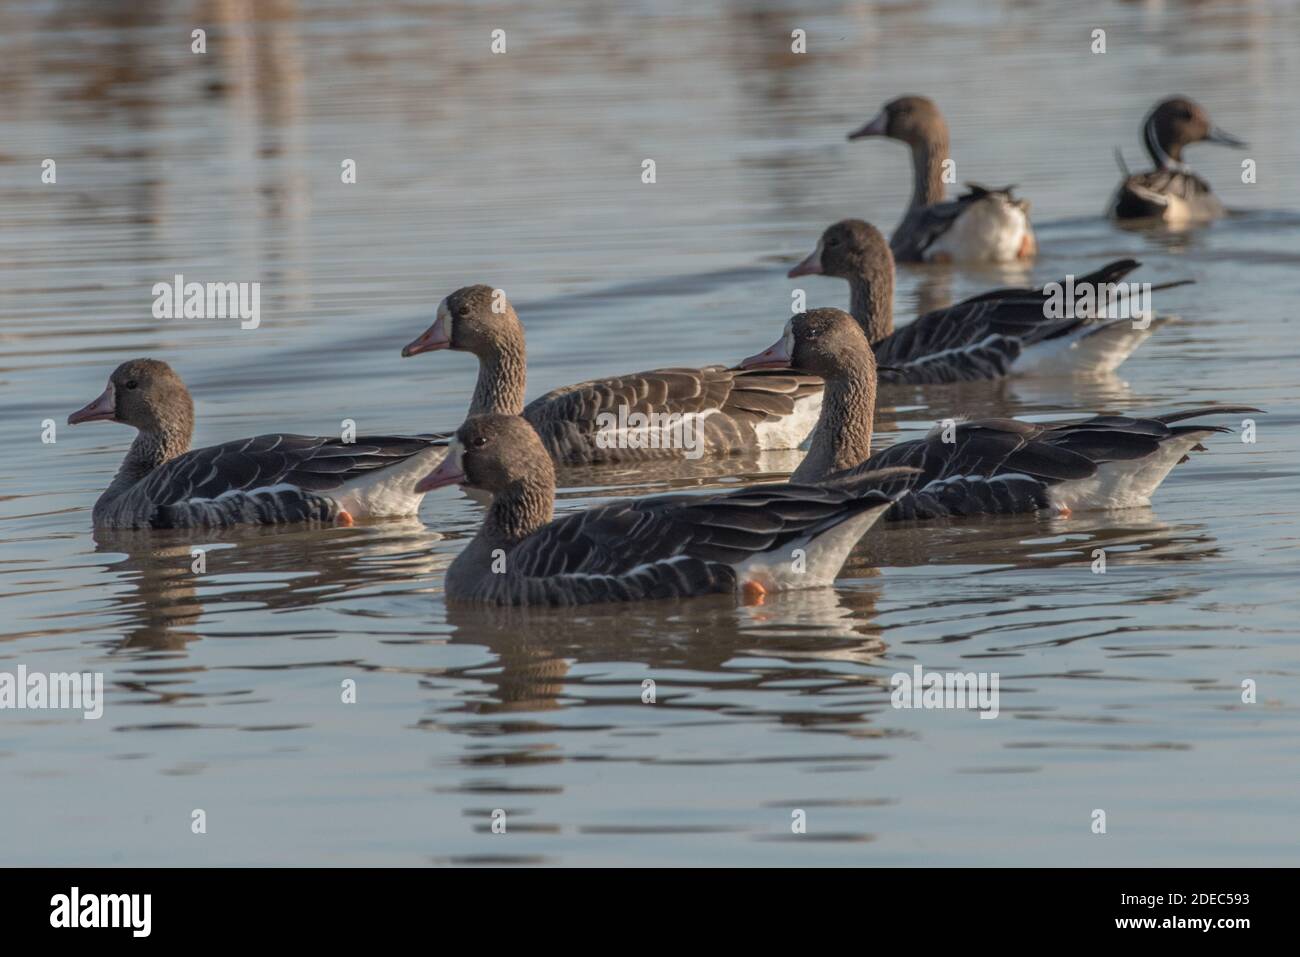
(987, 466)
(982, 225)
(266, 480)
(1171, 191)
(635, 417)
(1008, 331)
(750, 542)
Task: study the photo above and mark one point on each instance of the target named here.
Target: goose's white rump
(390, 492)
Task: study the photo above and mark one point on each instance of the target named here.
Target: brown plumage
(980, 225)
(727, 411)
(265, 480)
(978, 467)
(984, 337)
(675, 546)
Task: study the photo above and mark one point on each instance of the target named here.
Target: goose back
(268, 479)
(1000, 466)
(725, 410)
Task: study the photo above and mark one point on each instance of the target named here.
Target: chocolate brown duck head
(1175, 123)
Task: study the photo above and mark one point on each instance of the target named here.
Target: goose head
(495, 454)
(850, 249)
(476, 319)
(146, 394)
(913, 120)
(825, 342)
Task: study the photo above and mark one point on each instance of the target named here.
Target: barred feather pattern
(730, 405)
(981, 337)
(673, 546)
(269, 479)
(1002, 466)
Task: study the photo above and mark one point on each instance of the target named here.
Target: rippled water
(1120, 691)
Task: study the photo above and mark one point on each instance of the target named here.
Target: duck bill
(1223, 138)
(432, 339)
(812, 266)
(775, 356)
(448, 473)
(103, 409)
(874, 128)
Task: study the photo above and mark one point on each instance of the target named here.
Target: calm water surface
(1120, 691)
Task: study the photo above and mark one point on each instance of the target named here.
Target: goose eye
(131, 384)
(479, 441)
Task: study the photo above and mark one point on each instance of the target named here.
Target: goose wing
(1006, 465)
(268, 478)
(922, 226)
(725, 404)
(981, 337)
(679, 545)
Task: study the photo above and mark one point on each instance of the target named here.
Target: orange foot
(1028, 248)
(1064, 511)
(345, 518)
(753, 593)
(941, 258)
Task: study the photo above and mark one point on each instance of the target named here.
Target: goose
(1010, 331)
(986, 466)
(1171, 191)
(747, 542)
(265, 480)
(665, 413)
(982, 225)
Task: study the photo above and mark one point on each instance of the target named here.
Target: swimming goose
(982, 225)
(986, 466)
(752, 541)
(1011, 331)
(266, 480)
(665, 413)
(1171, 191)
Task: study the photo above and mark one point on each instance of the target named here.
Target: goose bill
(103, 409)
(874, 128)
(448, 473)
(775, 356)
(812, 266)
(433, 338)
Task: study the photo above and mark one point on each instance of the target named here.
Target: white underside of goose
(792, 431)
(1125, 484)
(389, 492)
(993, 229)
(1091, 350)
(822, 557)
